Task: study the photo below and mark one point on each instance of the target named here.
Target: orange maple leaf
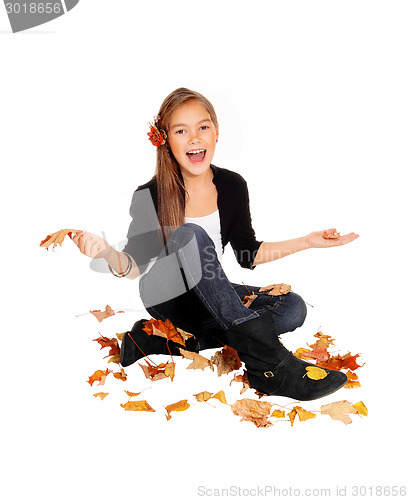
(157, 372)
(99, 376)
(57, 238)
(164, 329)
(107, 342)
(121, 375)
(340, 362)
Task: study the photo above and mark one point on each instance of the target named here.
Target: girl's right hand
(91, 245)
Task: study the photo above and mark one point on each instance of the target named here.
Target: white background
(312, 104)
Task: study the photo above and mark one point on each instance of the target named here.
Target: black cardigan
(145, 240)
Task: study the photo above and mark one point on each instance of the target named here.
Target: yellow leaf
(315, 373)
(221, 397)
(137, 406)
(278, 414)
(203, 396)
(361, 408)
(102, 395)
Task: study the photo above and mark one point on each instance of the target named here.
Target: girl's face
(192, 137)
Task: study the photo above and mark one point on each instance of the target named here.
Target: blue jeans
(188, 286)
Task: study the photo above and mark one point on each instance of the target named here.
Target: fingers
(347, 238)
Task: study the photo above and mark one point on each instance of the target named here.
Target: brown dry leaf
(164, 329)
(99, 376)
(199, 362)
(157, 372)
(242, 378)
(179, 406)
(278, 414)
(111, 343)
(339, 411)
(361, 408)
(121, 375)
(248, 299)
(277, 289)
(57, 238)
(101, 315)
(352, 382)
(253, 411)
(185, 335)
(315, 373)
(137, 406)
(102, 395)
(226, 360)
(115, 359)
(120, 335)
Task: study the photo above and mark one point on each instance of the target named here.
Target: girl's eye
(180, 131)
(205, 127)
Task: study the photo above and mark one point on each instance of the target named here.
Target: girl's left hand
(317, 240)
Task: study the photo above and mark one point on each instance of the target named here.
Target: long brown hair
(171, 191)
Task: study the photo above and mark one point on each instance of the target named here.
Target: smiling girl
(182, 219)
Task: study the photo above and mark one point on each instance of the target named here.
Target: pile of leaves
(225, 361)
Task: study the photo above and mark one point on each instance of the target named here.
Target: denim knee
(298, 310)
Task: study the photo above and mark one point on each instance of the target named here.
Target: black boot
(149, 344)
(272, 369)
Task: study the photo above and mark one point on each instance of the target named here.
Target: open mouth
(196, 156)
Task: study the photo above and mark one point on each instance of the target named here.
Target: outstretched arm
(269, 251)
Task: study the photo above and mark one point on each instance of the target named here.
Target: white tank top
(211, 224)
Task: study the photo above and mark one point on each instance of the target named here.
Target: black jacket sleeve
(243, 240)
(145, 239)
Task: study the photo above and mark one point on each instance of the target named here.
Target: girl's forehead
(189, 110)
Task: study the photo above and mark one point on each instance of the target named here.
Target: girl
(181, 221)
